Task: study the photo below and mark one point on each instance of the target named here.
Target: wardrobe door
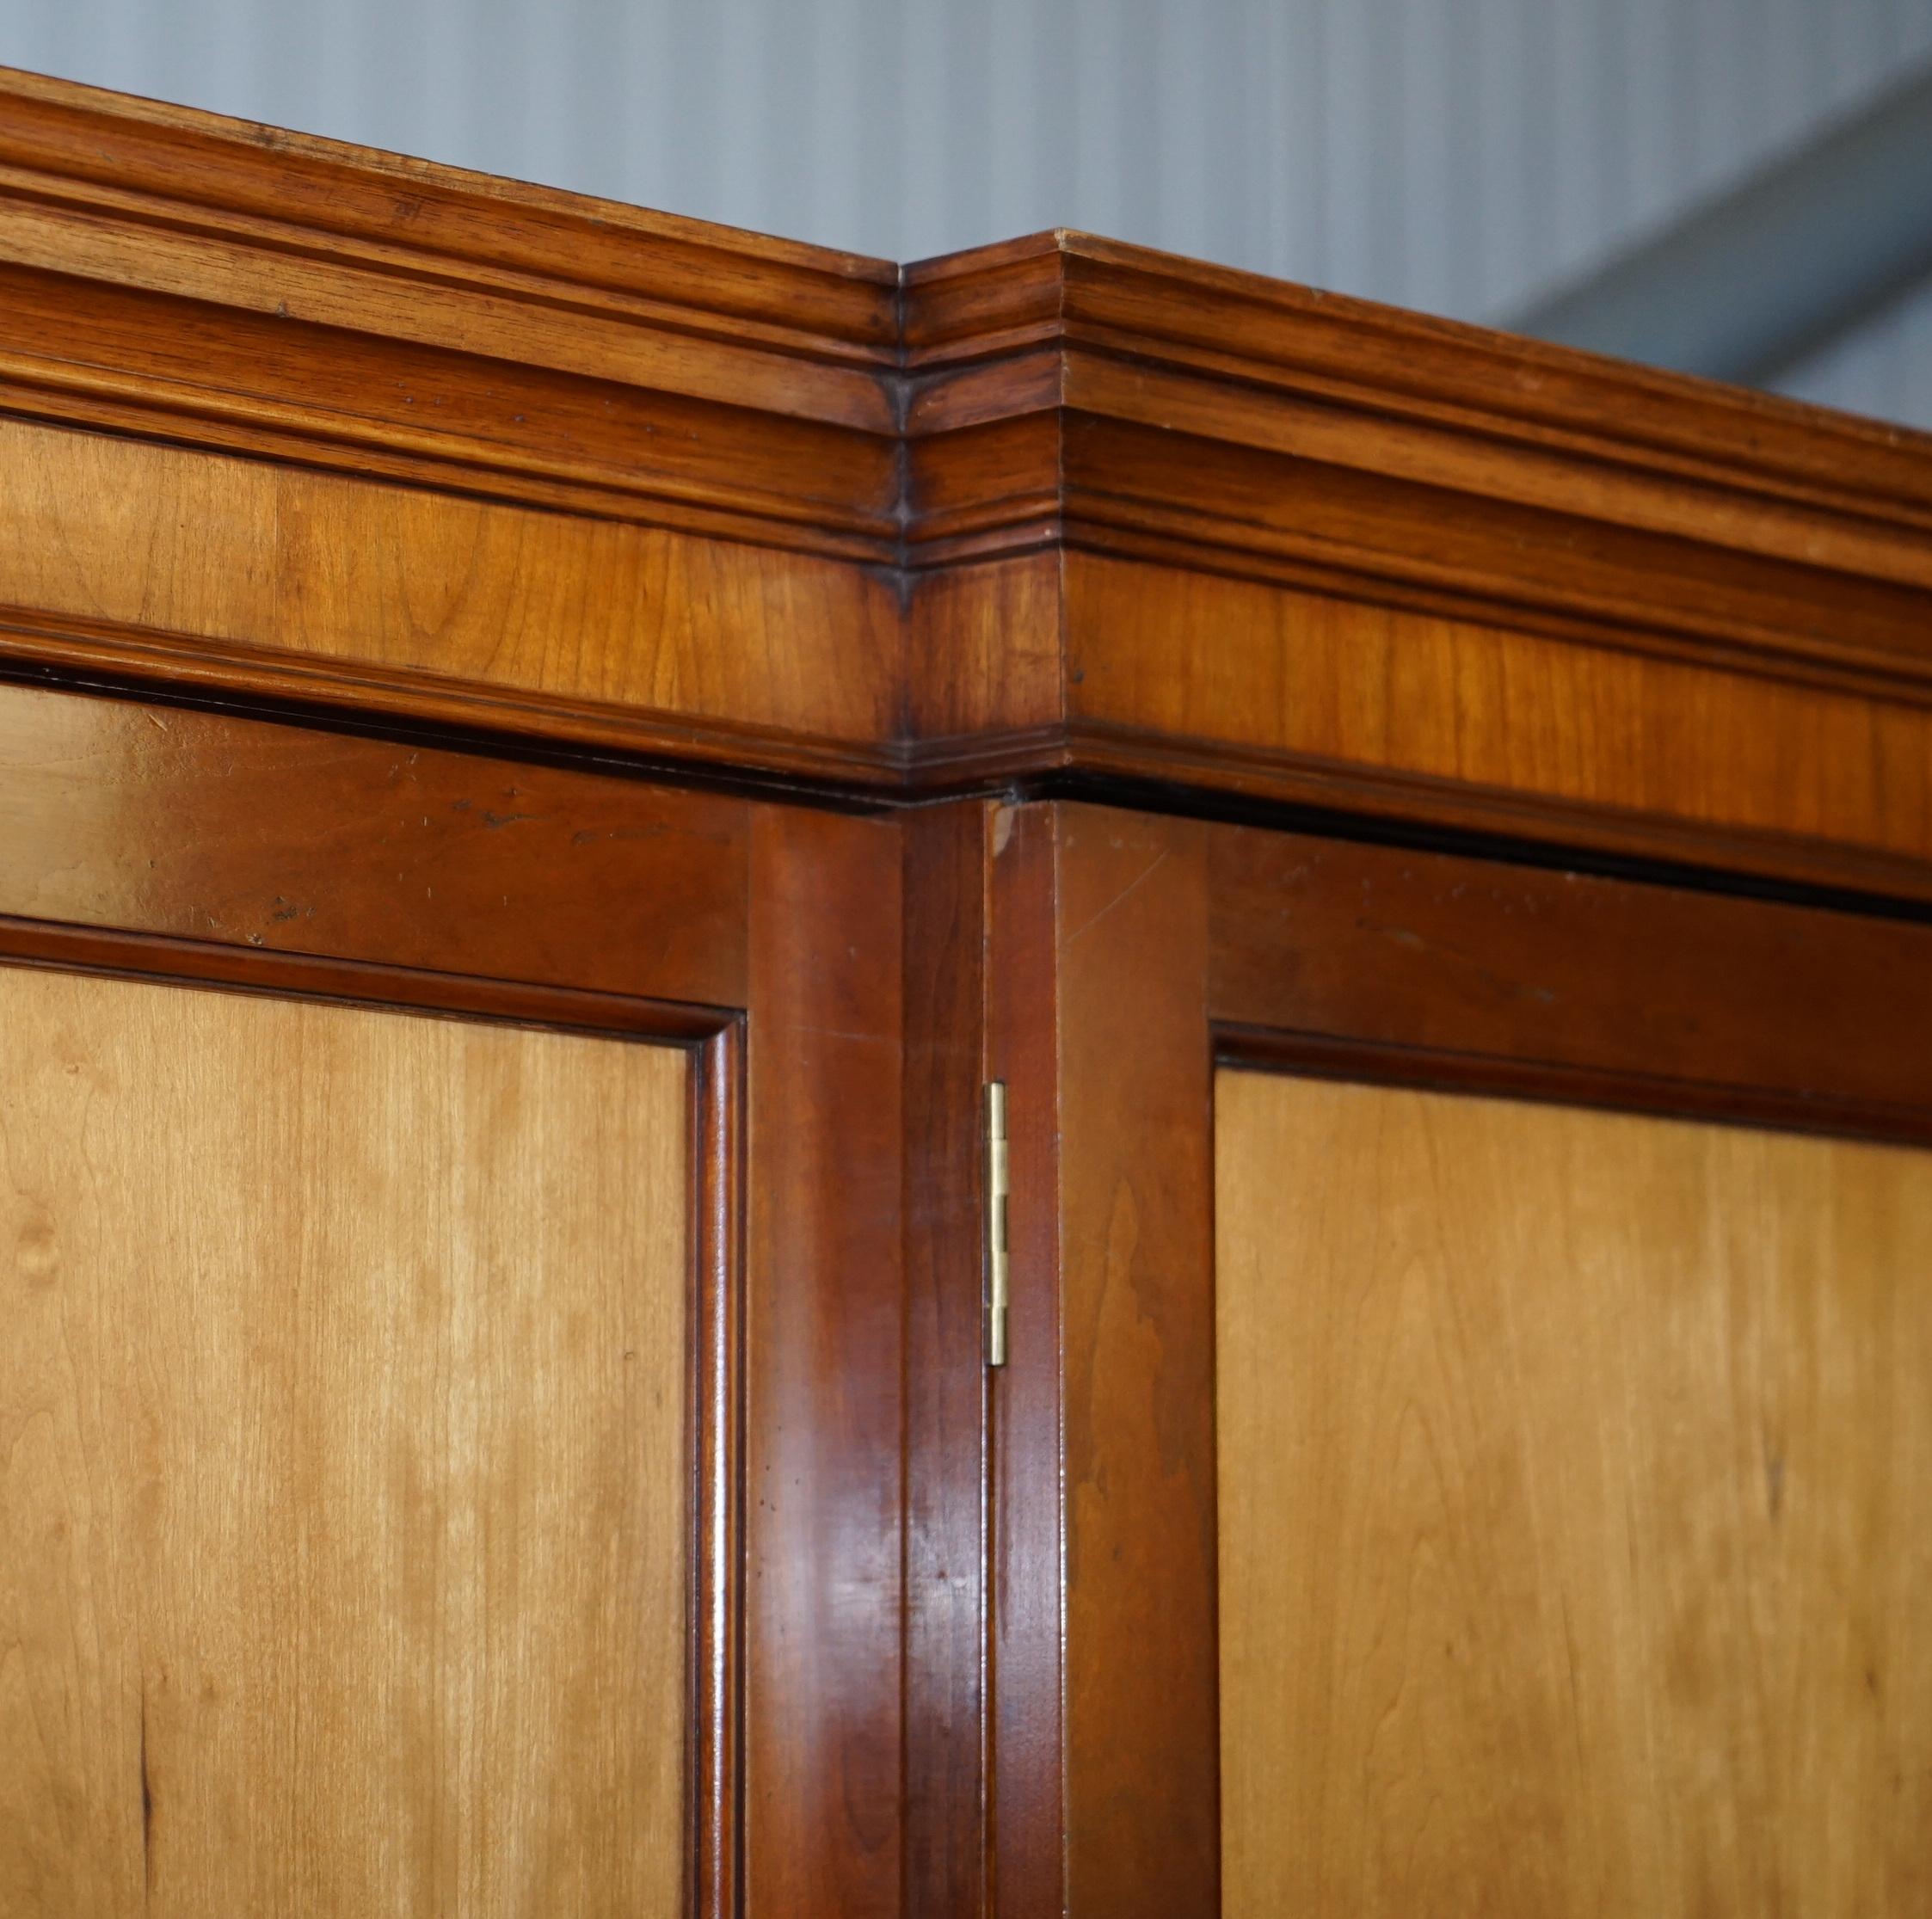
(450, 1390)
(1463, 1446)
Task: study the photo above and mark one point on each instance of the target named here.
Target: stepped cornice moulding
(419, 442)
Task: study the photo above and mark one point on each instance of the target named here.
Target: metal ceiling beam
(1748, 284)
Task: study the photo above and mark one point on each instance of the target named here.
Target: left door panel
(345, 1490)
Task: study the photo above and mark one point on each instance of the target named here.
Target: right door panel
(1575, 1510)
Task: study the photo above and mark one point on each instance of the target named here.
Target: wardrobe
(1054, 1083)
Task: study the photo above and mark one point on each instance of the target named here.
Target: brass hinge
(996, 1222)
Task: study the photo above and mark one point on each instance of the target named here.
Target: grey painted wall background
(1457, 155)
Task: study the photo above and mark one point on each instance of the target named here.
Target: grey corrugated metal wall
(1458, 155)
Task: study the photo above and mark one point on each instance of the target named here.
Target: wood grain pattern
(1027, 1761)
(288, 423)
(1325, 502)
(1436, 970)
(824, 1472)
(1073, 389)
(944, 851)
(166, 822)
(405, 440)
(164, 842)
(983, 661)
(219, 284)
(1579, 739)
(1127, 953)
(91, 138)
(90, 354)
(346, 1485)
(1104, 1706)
(1166, 315)
(1575, 1492)
(1140, 1390)
(314, 230)
(202, 567)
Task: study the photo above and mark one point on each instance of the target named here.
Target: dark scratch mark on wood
(584, 836)
(147, 1802)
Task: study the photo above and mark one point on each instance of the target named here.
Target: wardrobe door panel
(1575, 1510)
(345, 1485)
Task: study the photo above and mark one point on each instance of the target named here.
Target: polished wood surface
(1026, 1743)
(1411, 716)
(1193, 400)
(1320, 552)
(1441, 970)
(235, 832)
(218, 571)
(585, 436)
(237, 285)
(825, 1410)
(1576, 1510)
(450, 595)
(170, 844)
(343, 1409)
(945, 850)
(119, 158)
(1139, 1391)
(1129, 951)
(294, 420)
(1103, 1422)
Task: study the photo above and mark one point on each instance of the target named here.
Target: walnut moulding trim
(431, 446)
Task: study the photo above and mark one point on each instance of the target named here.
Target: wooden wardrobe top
(364, 431)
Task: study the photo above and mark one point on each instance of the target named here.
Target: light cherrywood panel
(343, 1483)
(1576, 1502)
(982, 655)
(157, 558)
(1246, 676)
